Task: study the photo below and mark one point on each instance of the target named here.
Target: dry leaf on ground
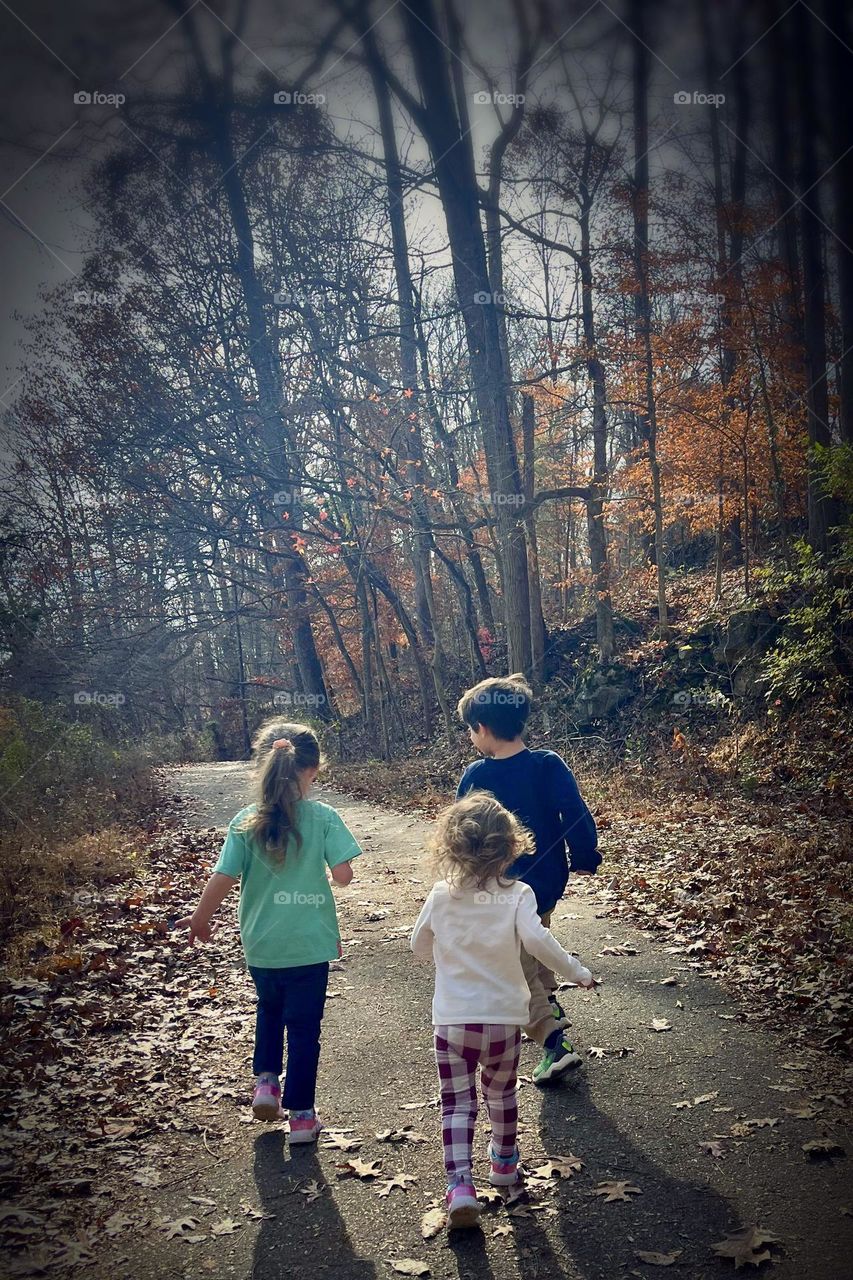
(559, 1167)
(177, 1227)
(360, 1169)
(655, 1259)
(408, 1266)
(405, 1134)
(746, 1246)
(397, 1180)
(822, 1148)
(338, 1142)
(433, 1221)
(616, 1191)
(226, 1227)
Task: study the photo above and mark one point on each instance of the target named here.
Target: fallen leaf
(502, 1229)
(712, 1148)
(683, 1106)
(616, 1191)
(742, 1246)
(408, 1266)
(822, 1148)
(337, 1142)
(804, 1112)
(406, 1134)
(560, 1167)
(226, 1227)
(705, 1097)
(178, 1227)
(668, 982)
(397, 1180)
(312, 1192)
(660, 1024)
(490, 1195)
(360, 1169)
(257, 1215)
(659, 1259)
(116, 1223)
(595, 1052)
(433, 1221)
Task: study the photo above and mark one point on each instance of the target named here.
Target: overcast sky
(53, 51)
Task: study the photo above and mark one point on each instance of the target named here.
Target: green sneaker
(556, 1062)
(559, 1013)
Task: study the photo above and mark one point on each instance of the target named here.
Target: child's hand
(201, 929)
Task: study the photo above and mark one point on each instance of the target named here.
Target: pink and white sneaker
(266, 1102)
(305, 1128)
(463, 1207)
(503, 1170)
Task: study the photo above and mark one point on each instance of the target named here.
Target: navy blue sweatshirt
(540, 789)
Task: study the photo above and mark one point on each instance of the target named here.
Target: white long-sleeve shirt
(474, 937)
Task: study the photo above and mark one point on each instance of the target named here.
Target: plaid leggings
(458, 1051)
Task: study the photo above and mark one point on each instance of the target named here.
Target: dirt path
(619, 1116)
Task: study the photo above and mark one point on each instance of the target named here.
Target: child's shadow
(600, 1241)
(307, 1234)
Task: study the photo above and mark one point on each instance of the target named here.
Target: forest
(344, 416)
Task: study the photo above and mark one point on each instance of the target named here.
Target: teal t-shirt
(287, 910)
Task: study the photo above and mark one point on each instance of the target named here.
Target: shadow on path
(306, 1237)
(672, 1212)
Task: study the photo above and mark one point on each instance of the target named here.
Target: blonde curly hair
(475, 840)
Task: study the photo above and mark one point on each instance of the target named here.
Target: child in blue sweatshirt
(540, 789)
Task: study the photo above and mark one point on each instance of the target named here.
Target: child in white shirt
(473, 925)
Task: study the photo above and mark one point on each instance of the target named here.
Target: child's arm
(542, 944)
(340, 848)
(422, 935)
(214, 894)
(577, 821)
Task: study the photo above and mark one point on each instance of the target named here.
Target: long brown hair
(277, 784)
(476, 839)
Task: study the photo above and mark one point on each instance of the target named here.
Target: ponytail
(282, 750)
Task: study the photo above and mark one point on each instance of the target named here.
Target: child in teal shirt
(279, 850)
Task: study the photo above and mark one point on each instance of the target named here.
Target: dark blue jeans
(290, 1000)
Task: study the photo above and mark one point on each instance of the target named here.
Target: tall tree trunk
(537, 621)
(838, 39)
(596, 531)
(412, 442)
(453, 160)
(647, 419)
(822, 510)
(272, 426)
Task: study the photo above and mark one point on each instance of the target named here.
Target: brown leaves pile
(109, 1001)
(730, 889)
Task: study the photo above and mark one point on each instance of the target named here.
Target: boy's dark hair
(500, 704)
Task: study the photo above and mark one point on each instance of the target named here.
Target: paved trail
(618, 1116)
